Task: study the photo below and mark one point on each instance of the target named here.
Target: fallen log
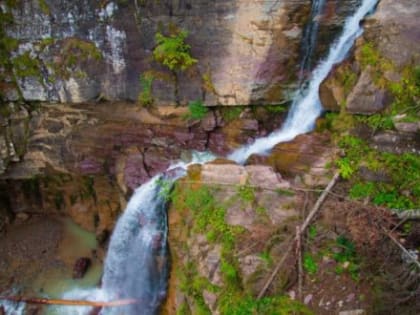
(44, 301)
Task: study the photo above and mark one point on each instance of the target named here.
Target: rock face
(247, 52)
(393, 32)
(223, 217)
(80, 161)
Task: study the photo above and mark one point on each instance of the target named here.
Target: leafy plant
(346, 255)
(369, 55)
(378, 121)
(197, 110)
(246, 193)
(309, 264)
(362, 190)
(172, 51)
(312, 232)
(231, 113)
(145, 97)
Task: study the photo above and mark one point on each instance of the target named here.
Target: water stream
(306, 106)
(135, 265)
(310, 35)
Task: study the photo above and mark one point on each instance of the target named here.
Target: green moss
(279, 305)
(26, 66)
(403, 170)
(230, 113)
(196, 110)
(246, 193)
(145, 97)
(207, 83)
(208, 216)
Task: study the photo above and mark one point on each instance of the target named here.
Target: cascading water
(136, 266)
(307, 108)
(136, 263)
(310, 35)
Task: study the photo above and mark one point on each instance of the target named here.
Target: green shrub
(246, 193)
(197, 110)
(309, 264)
(145, 97)
(172, 51)
(362, 190)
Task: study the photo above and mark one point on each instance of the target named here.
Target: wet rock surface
(80, 267)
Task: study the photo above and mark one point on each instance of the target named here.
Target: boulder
(366, 97)
(80, 267)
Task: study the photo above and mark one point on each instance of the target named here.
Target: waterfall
(306, 106)
(136, 266)
(310, 35)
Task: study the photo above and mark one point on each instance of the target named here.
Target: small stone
(210, 298)
(350, 297)
(292, 294)
(346, 264)
(340, 304)
(308, 299)
(22, 216)
(80, 267)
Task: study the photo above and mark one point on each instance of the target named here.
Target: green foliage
(407, 93)
(285, 192)
(369, 55)
(313, 232)
(348, 79)
(209, 217)
(377, 121)
(197, 110)
(276, 108)
(362, 190)
(346, 255)
(145, 97)
(246, 193)
(26, 66)
(172, 51)
(165, 188)
(309, 264)
(229, 272)
(403, 192)
(208, 83)
(355, 149)
(346, 167)
(266, 257)
(231, 113)
(279, 305)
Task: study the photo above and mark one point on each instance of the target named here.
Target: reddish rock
(90, 166)
(135, 173)
(80, 267)
(217, 143)
(157, 160)
(209, 122)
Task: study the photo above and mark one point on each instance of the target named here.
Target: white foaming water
(12, 308)
(305, 110)
(136, 266)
